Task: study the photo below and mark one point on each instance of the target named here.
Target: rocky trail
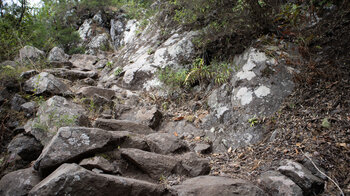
(99, 124)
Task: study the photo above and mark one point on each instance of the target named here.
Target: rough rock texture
(72, 75)
(194, 166)
(149, 116)
(19, 183)
(45, 83)
(73, 143)
(217, 186)
(83, 61)
(85, 30)
(165, 143)
(28, 148)
(122, 125)
(257, 89)
(71, 179)
(29, 108)
(278, 184)
(28, 74)
(55, 113)
(117, 28)
(57, 54)
(99, 42)
(90, 91)
(16, 102)
(202, 148)
(155, 165)
(309, 183)
(30, 53)
(99, 163)
(142, 55)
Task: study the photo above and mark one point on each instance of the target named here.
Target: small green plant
(109, 64)
(253, 121)
(150, 51)
(118, 71)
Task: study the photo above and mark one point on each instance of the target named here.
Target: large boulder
(278, 184)
(19, 183)
(30, 53)
(122, 125)
(57, 55)
(45, 83)
(28, 148)
(256, 89)
(53, 114)
(74, 143)
(71, 179)
(165, 143)
(217, 186)
(310, 184)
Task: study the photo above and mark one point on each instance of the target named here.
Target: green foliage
(216, 72)
(118, 71)
(173, 78)
(253, 121)
(9, 73)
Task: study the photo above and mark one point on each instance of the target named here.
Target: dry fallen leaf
(176, 134)
(178, 118)
(229, 150)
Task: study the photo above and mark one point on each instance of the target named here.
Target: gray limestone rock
(71, 179)
(216, 186)
(72, 75)
(122, 125)
(53, 114)
(45, 83)
(166, 143)
(19, 182)
(73, 143)
(99, 163)
(278, 184)
(309, 183)
(28, 148)
(57, 54)
(30, 53)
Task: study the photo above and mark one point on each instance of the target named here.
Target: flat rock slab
(165, 143)
(155, 165)
(217, 186)
(122, 125)
(45, 83)
(19, 182)
(72, 74)
(84, 61)
(303, 177)
(73, 143)
(90, 91)
(278, 184)
(71, 179)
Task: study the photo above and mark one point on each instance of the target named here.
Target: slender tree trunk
(23, 11)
